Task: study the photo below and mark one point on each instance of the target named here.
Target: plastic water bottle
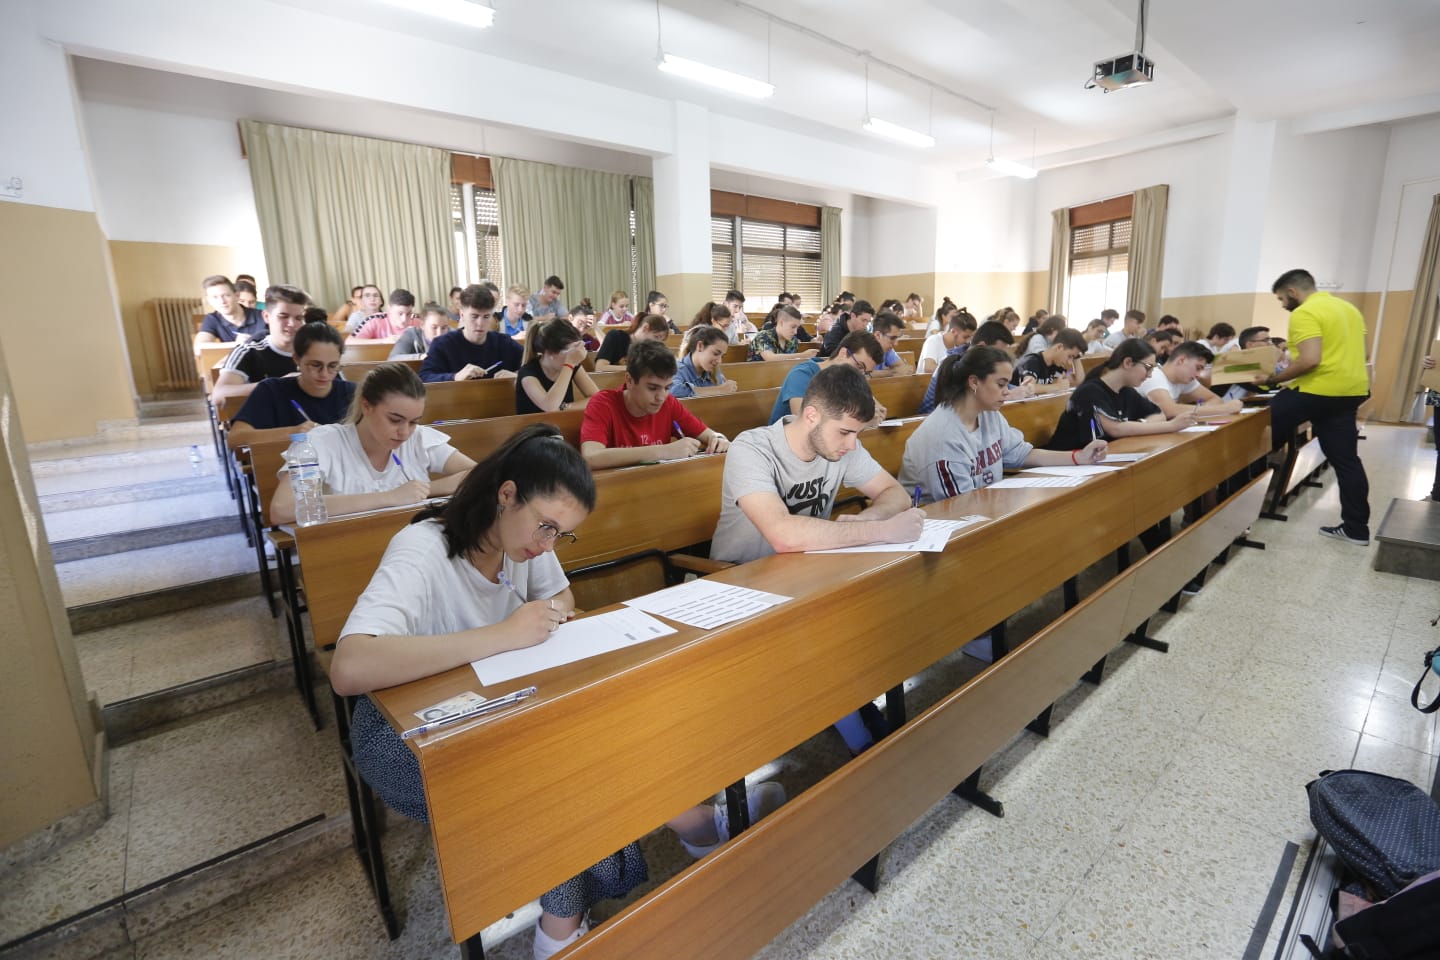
(196, 463)
(305, 480)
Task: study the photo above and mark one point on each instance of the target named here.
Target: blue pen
(396, 458)
(304, 417)
(1094, 429)
(676, 425)
(915, 501)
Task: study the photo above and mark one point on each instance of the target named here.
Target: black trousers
(1333, 421)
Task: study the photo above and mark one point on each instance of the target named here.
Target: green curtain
(565, 221)
(829, 254)
(644, 241)
(336, 211)
(1147, 250)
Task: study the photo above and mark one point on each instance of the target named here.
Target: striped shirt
(257, 360)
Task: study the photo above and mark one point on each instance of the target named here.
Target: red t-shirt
(608, 422)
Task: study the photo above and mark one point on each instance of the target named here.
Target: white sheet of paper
(1251, 409)
(1202, 428)
(1123, 458)
(932, 538)
(706, 603)
(572, 642)
(1010, 483)
(1081, 470)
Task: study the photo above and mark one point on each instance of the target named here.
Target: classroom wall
(50, 754)
(54, 266)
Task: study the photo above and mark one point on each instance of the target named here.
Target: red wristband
(1072, 457)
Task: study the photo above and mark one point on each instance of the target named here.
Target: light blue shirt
(539, 310)
(511, 328)
(687, 378)
(891, 359)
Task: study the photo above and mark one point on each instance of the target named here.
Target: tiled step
(124, 576)
(86, 521)
(236, 798)
(132, 660)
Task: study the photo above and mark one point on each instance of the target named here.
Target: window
(769, 259)
(1099, 270)
(476, 236)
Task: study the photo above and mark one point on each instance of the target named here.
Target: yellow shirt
(1341, 330)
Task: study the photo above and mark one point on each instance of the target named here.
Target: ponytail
(952, 382)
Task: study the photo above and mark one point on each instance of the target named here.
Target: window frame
(737, 249)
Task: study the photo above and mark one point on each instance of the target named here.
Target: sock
(853, 729)
(547, 946)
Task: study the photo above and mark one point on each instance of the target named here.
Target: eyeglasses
(862, 368)
(548, 533)
(1149, 367)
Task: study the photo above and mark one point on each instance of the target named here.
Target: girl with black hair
(1109, 403)
(475, 577)
(967, 444)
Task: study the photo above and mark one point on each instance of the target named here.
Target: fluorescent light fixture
(896, 132)
(460, 11)
(1011, 169)
(715, 77)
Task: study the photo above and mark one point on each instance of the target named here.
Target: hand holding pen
(305, 426)
(411, 491)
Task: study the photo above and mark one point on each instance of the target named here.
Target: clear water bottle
(305, 480)
(196, 462)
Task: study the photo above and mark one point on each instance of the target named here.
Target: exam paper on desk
(706, 603)
(1010, 483)
(1080, 470)
(932, 539)
(572, 642)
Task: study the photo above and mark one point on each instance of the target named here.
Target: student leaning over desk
(635, 423)
(1109, 403)
(780, 483)
(476, 577)
(317, 395)
(380, 456)
(698, 372)
(967, 444)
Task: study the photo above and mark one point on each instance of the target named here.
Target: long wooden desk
(685, 715)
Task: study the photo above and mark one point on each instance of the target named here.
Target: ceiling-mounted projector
(1126, 70)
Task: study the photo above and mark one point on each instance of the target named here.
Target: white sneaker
(761, 800)
(547, 946)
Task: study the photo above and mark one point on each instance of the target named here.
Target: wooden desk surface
(679, 714)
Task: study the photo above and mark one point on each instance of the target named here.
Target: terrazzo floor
(1148, 825)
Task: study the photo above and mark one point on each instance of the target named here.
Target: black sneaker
(1192, 588)
(1338, 533)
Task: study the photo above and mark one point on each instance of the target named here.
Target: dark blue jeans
(1332, 421)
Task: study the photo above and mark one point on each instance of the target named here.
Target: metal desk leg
(970, 790)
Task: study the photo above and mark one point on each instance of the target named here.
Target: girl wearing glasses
(380, 456)
(1109, 403)
(471, 578)
(317, 395)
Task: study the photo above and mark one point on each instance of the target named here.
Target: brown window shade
(467, 169)
(1103, 211)
(723, 204)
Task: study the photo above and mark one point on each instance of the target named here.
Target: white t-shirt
(420, 592)
(1037, 344)
(1158, 381)
(347, 469)
(934, 349)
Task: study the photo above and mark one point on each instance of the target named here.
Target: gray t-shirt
(944, 459)
(761, 461)
(540, 311)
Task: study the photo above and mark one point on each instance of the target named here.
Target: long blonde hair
(380, 382)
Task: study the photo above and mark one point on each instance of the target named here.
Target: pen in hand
(915, 499)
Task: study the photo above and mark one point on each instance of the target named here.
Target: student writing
(1109, 403)
(317, 395)
(698, 373)
(860, 350)
(1174, 384)
(473, 578)
(967, 444)
(476, 351)
(639, 421)
(380, 456)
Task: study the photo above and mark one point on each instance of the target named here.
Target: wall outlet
(13, 187)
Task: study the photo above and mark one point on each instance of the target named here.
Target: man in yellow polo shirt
(1326, 383)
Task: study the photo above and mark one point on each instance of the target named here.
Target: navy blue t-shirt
(224, 331)
(450, 352)
(272, 404)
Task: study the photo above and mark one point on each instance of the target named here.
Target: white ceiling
(1283, 59)
(1028, 58)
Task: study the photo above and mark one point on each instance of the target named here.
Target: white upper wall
(1321, 206)
(1411, 180)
